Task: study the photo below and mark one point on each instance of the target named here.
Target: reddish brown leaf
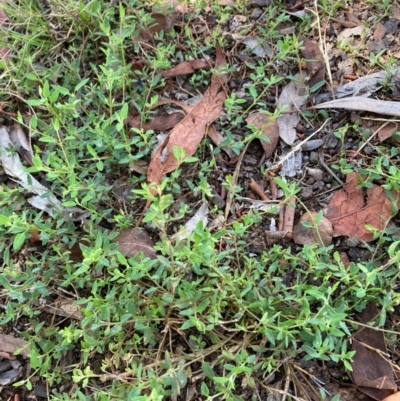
(288, 217)
(315, 65)
(161, 22)
(387, 131)
(309, 236)
(189, 132)
(161, 122)
(132, 241)
(372, 374)
(187, 67)
(349, 214)
(9, 344)
(393, 397)
(257, 189)
(270, 129)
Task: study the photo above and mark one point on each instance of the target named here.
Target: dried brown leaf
(187, 67)
(293, 96)
(257, 189)
(393, 397)
(309, 236)
(160, 122)
(387, 131)
(131, 241)
(349, 213)
(10, 344)
(188, 133)
(372, 374)
(269, 128)
(315, 65)
(161, 22)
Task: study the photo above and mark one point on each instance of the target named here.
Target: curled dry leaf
(269, 129)
(257, 189)
(314, 61)
(188, 133)
(9, 344)
(131, 241)
(293, 96)
(322, 234)
(349, 213)
(187, 67)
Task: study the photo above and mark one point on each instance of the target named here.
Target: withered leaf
(10, 344)
(293, 96)
(309, 235)
(387, 107)
(372, 374)
(188, 133)
(314, 61)
(186, 67)
(10, 376)
(161, 22)
(160, 122)
(131, 241)
(269, 129)
(349, 213)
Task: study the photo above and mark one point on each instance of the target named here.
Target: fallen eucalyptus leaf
(363, 104)
(44, 199)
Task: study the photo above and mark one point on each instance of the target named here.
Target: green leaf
(207, 370)
(35, 102)
(19, 241)
(204, 389)
(81, 84)
(4, 220)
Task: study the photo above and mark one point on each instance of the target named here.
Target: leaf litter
(136, 241)
(350, 214)
(189, 132)
(372, 372)
(293, 97)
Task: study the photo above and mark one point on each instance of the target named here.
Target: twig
(233, 183)
(322, 163)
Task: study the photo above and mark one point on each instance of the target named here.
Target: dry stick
(287, 381)
(371, 137)
(234, 181)
(271, 389)
(298, 147)
(322, 163)
(323, 49)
